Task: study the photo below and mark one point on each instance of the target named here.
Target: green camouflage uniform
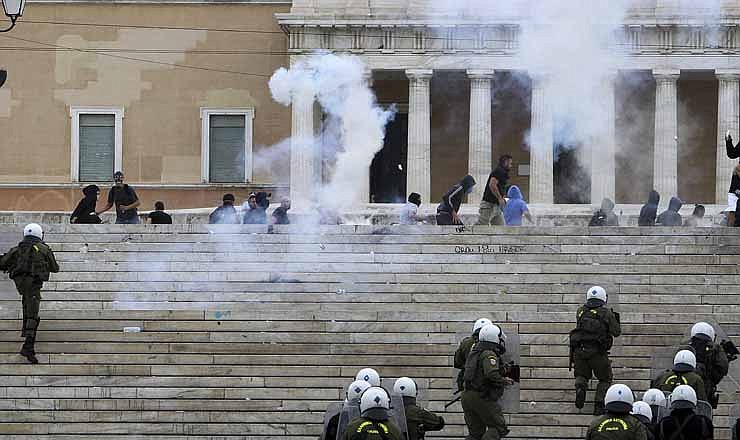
(419, 420)
(711, 364)
(484, 386)
(612, 426)
(669, 380)
(461, 356)
(29, 265)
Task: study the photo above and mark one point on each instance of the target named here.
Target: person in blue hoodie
(516, 207)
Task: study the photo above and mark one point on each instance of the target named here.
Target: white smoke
(353, 118)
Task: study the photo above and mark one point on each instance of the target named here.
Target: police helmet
(33, 229)
(703, 330)
(683, 397)
(684, 361)
(480, 323)
(356, 388)
(405, 386)
(654, 397)
(492, 333)
(369, 375)
(642, 409)
(374, 397)
(597, 292)
(619, 399)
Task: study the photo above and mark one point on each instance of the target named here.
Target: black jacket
(224, 215)
(671, 217)
(649, 211)
(695, 427)
(733, 153)
(84, 213)
(452, 199)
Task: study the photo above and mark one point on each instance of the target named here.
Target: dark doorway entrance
(571, 179)
(388, 170)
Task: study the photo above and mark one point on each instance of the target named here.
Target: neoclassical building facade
(465, 98)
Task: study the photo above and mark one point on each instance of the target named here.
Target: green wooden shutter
(97, 147)
(226, 148)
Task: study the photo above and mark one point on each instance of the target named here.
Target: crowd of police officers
(677, 407)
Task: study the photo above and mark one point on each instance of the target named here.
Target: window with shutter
(96, 147)
(226, 140)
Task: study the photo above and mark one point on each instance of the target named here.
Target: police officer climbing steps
(617, 423)
(682, 373)
(684, 423)
(374, 422)
(418, 420)
(712, 359)
(643, 413)
(590, 342)
(29, 265)
(463, 350)
(484, 382)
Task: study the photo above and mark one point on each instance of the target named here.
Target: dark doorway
(388, 170)
(571, 179)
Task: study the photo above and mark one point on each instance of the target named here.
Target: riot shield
(398, 414)
(510, 400)
(331, 417)
(350, 411)
(703, 408)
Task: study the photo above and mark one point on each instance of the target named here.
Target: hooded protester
(649, 211)
(451, 201)
(671, 217)
(226, 213)
(694, 221)
(605, 216)
(516, 207)
(84, 213)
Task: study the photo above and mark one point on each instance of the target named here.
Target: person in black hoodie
(84, 213)
(605, 216)
(649, 211)
(671, 217)
(451, 200)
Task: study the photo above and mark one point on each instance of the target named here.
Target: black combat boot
(599, 409)
(580, 397)
(28, 351)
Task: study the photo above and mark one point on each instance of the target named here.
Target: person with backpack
(684, 423)
(124, 197)
(682, 373)
(29, 265)
(590, 342)
(712, 361)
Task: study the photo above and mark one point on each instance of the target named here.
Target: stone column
(479, 150)
(603, 165)
(303, 176)
(665, 155)
(541, 144)
(418, 166)
(728, 116)
(364, 180)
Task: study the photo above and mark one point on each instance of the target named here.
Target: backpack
(29, 260)
(591, 327)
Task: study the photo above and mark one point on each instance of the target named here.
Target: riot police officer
(484, 382)
(418, 419)
(369, 375)
(374, 422)
(656, 399)
(643, 413)
(29, 265)
(463, 350)
(617, 423)
(683, 373)
(590, 342)
(683, 421)
(712, 363)
(354, 391)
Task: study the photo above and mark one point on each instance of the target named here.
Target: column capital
(727, 74)
(419, 74)
(666, 74)
(480, 73)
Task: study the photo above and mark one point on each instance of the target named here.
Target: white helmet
(356, 388)
(685, 360)
(374, 397)
(596, 292)
(33, 229)
(654, 397)
(642, 409)
(619, 398)
(369, 375)
(492, 333)
(481, 323)
(703, 330)
(683, 397)
(405, 386)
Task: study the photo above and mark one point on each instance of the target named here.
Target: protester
(671, 217)
(158, 216)
(451, 200)
(649, 210)
(605, 216)
(490, 210)
(280, 214)
(409, 212)
(253, 214)
(733, 152)
(226, 213)
(84, 213)
(125, 199)
(516, 207)
(695, 220)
